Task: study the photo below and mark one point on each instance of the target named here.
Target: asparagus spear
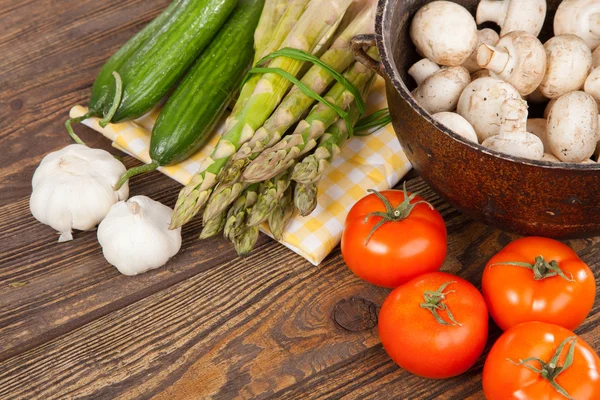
(244, 242)
(264, 33)
(282, 213)
(222, 197)
(270, 193)
(339, 57)
(283, 154)
(237, 214)
(213, 227)
(285, 23)
(306, 33)
(305, 198)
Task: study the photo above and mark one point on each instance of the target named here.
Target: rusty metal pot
(523, 196)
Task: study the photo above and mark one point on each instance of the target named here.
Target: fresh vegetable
(484, 36)
(237, 214)
(538, 126)
(315, 22)
(581, 18)
(188, 119)
(441, 90)
(73, 189)
(305, 198)
(519, 58)
(293, 106)
(592, 84)
(269, 195)
(514, 139)
(513, 15)
(538, 279)
(283, 212)
(596, 58)
(481, 105)
(135, 237)
(434, 326)
(152, 70)
(391, 237)
(573, 127)
(569, 62)
(457, 124)
(284, 154)
(537, 360)
(214, 226)
(444, 32)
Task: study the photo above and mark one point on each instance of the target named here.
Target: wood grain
(209, 324)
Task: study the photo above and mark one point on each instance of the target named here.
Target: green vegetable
(160, 62)
(190, 115)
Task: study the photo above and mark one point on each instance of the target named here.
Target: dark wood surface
(209, 324)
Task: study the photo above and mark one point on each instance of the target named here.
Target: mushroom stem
(422, 70)
(491, 10)
(492, 58)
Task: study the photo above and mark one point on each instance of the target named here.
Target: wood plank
(263, 327)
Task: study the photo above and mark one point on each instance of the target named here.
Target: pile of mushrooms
(478, 82)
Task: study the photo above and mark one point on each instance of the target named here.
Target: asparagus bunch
(283, 155)
(315, 22)
(236, 229)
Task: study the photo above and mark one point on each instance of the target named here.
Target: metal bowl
(557, 200)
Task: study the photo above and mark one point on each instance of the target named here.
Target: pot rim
(385, 8)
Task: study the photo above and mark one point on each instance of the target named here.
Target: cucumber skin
(159, 63)
(104, 80)
(191, 114)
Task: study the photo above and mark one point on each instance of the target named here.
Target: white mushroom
(592, 84)
(514, 139)
(596, 58)
(444, 32)
(484, 36)
(569, 61)
(549, 108)
(588, 161)
(538, 126)
(457, 124)
(519, 58)
(581, 18)
(550, 158)
(422, 70)
(441, 90)
(573, 127)
(481, 105)
(513, 15)
(483, 73)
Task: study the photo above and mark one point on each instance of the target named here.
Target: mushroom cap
(484, 36)
(422, 70)
(592, 84)
(457, 124)
(573, 127)
(514, 15)
(444, 32)
(538, 127)
(441, 91)
(596, 58)
(569, 61)
(581, 18)
(548, 108)
(521, 144)
(481, 105)
(550, 158)
(519, 58)
(483, 73)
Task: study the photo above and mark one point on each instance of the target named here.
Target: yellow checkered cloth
(372, 162)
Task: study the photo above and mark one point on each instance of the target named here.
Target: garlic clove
(72, 189)
(135, 235)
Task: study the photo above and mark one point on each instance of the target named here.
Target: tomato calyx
(541, 268)
(434, 303)
(393, 214)
(550, 370)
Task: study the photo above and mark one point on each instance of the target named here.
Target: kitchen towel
(370, 162)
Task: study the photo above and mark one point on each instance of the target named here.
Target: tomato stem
(434, 303)
(391, 214)
(116, 101)
(550, 370)
(541, 268)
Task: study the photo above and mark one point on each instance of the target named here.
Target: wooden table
(209, 324)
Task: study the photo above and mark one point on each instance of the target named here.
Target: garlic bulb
(135, 235)
(73, 189)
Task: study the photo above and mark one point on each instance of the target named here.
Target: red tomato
(425, 345)
(506, 377)
(516, 294)
(411, 242)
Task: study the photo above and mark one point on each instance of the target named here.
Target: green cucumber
(189, 117)
(157, 65)
(105, 80)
